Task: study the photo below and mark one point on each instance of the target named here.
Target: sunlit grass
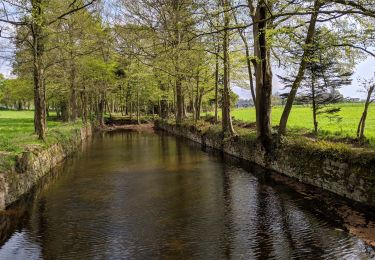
(17, 132)
(301, 119)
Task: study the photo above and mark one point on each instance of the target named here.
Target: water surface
(133, 195)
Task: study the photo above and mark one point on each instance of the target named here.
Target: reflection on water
(145, 195)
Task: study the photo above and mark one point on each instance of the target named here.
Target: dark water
(150, 196)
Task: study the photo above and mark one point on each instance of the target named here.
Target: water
(136, 195)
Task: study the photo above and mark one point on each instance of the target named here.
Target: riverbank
(337, 168)
(22, 165)
(146, 127)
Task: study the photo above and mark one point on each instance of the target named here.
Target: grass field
(17, 131)
(301, 119)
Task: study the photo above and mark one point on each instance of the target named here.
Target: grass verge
(17, 135)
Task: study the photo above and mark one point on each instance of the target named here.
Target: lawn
(301, 119)
(17, 131)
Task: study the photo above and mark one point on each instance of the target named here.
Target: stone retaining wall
(34, 163)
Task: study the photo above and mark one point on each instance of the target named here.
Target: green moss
(292, 144)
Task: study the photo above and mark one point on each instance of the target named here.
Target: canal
(144, 195)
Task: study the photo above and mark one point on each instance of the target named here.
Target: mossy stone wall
(34, 163)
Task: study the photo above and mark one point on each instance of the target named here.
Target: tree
(333, 11)
(225, 108)
(327, 70)
(16, 93)
(248, 57)
(260, 14)
(167, 48)
(369, 87)
(36, 18)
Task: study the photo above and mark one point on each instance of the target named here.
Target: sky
(5, 69)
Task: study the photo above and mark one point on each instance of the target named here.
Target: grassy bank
(17, 134)
(300, 120)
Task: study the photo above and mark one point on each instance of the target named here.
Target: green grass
(17, 132)
(301, 120)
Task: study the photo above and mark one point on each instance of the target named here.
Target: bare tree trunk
(199, 104)
(362, 122)
(131, 110)
(179, 104)
(263, 74)
(73, 92)
(217, 84)
(302, 67)
(138, 113)
(84, 105)
(196, 103)
(192, 102)
(176, 45)
(163, 105)
(101, 108)
(40, 120)
(226, 117)
(184, 115)
(64, 111)
(248, 60)
(314, 108)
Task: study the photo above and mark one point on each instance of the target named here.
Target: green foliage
(16, 93)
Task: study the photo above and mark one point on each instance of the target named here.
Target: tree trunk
(138, 115)
(73, 97)
(314, 108)
(131, 110)
(64, 111)
(193, 102)
(38, 37)
(226, 117)
(199, 104)
(179, 102)
(176, 46)
(84, 106)
(362, 122)
(250, 73)
(248, 61)
(196, 103)
(101, 108)
(302, 67)
(163, 105)
(217, 84)
(184, 114)
(73, 89)
(263, 76)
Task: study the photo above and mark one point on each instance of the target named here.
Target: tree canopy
(175, 58)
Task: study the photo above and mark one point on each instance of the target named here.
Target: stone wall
(34, 163)
(346, 173)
